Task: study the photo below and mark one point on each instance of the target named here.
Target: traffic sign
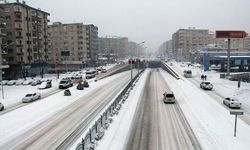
(231, 34)
(236, 113)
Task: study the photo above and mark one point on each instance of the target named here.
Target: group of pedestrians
(203, 77)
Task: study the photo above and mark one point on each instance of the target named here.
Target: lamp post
(138, 64)
(1, 64)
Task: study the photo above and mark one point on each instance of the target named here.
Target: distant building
(132, 49)
(185, 41)
(67, 46)
(115, 45)
(26, 41)
(92, 42)
(246, 43)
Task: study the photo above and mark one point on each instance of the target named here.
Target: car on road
(45, 85)
(232, 102)
(187, 73)
(168, 97)
(85, 84)
(36, 82)
(65, 83)
(206, 85)
(1, 106)
(31, 97)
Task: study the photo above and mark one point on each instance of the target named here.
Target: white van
(187, 73)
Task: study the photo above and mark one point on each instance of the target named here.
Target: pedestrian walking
(205, 77)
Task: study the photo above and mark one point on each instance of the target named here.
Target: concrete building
(116, 45)
(92, 43)
(246, 43)
(132, 49)
(185, 41)
(67, 46)
(26, 39)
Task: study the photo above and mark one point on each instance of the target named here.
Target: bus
(90, 74)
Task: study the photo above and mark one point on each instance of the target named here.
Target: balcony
(19, 36)
(19, 53)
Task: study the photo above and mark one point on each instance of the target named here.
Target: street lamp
(1, 64)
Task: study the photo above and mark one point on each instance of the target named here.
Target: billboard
(231, 34)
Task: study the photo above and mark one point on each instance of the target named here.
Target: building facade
(67, 46)
(185, 41)
(91, 43)
(116, 45)
(26, 40)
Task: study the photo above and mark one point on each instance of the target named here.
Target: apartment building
(115, 45)
(91, 43)
(185, 41)
(67, 46)
(26, 40)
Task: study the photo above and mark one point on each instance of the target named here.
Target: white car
(31, 97)
(11, 82)
(168, 97)
(45, 84)
(232, 102)
(5, 82)
(19, 82)
(206, 85)
(27, 82)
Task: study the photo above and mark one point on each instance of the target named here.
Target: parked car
(1, 106)
(4, 82)
(103, 70)
(168, 97)
(31, 97)
(232, 102)
(206, 85)
(27, 82)
(19, 81)
(36, 82)
(45, 85)
(11, 82)
(65, 83)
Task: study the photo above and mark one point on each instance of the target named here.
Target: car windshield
(63, 82)
(170, 95)
(207, 83)
(28, 95)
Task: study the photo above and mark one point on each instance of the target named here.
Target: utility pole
(138, 63)
(228, 57)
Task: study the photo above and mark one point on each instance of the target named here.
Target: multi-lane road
(160, 126)
(71, 121)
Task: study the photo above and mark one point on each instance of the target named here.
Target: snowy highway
(37, 128)
(160, 126)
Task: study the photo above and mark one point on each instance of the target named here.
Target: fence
(96, 131)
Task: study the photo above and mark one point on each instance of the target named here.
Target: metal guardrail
(169, 70)
(97, 130)
(113, 71)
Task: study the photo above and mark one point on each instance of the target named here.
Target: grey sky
(153, 21)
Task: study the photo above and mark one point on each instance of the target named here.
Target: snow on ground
(118, 133)
(19, 121)
(223, 87)
(13, 94)
(210, 121)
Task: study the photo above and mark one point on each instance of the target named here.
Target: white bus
(90, 74)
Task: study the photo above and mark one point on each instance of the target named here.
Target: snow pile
(118, 133)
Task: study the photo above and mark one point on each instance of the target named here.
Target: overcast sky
(153, 21)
